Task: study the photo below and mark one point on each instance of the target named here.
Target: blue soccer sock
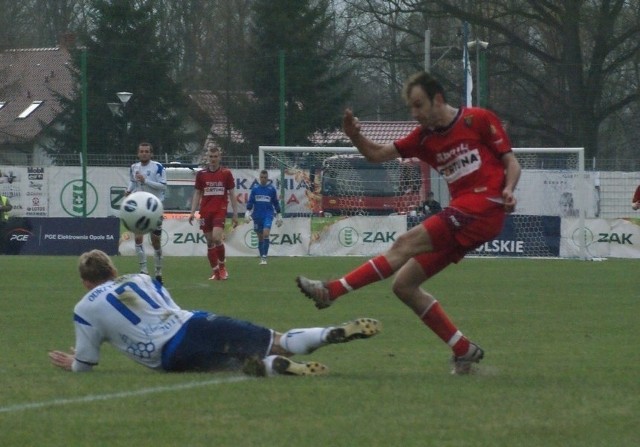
(265, 247)
(261, 248)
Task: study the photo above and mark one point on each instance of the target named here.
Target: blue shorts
(260, 223)
(209, 342)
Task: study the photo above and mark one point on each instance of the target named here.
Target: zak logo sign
(74, 200)
(349, 237)
(251, 239)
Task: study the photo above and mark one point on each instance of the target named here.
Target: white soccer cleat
(315, 290)
(353, 330)
(263, 260)
(463, 365)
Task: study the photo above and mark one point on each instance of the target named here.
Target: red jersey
(467, 153)
(636, 195)
(215, 187)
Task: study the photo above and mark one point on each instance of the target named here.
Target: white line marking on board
(121, 395)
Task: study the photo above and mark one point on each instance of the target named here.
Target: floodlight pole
(479, 46)
(124, 98)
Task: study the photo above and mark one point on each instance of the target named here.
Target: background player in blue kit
(262, 204)
(137, 315)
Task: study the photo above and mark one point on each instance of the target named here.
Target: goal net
(341, 182)
(553, 200)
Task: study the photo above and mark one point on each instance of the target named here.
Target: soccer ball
(141, 212)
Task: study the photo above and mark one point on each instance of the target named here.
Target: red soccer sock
(220, 253)
(438, 321)
(371, 271)
(212, 255)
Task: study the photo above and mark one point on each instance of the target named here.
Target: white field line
(120, 395)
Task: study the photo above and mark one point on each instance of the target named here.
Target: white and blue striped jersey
(263, 200)
(155, 178)
(133, 313)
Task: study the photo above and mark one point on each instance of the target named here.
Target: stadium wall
(56, 192)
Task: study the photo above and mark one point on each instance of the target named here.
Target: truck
(180, 180)
(351, 185)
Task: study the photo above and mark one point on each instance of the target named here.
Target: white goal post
(554, 197)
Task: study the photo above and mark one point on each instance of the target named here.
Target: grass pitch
(560, 367)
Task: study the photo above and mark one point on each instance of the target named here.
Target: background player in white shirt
(138, 317)
(150, 176)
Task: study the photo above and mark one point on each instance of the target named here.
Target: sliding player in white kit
(150, 176)
(138, 317)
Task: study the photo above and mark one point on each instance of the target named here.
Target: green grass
(561, 365)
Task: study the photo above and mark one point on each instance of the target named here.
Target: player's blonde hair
(96, 267)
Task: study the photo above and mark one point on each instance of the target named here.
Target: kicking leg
(409, 244)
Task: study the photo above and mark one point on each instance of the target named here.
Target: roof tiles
(378, 131)
(32, 75)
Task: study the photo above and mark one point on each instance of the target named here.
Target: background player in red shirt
(470, 149)
(635, 202)
(214, 188)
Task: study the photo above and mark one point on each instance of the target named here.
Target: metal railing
(16, 158)
(11, 158)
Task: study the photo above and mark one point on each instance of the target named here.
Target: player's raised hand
(350, 124)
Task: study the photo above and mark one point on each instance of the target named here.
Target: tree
(123, 55)
(53, 18)
(315, 87)
(560, 71)
(14, 17)
(208, 39)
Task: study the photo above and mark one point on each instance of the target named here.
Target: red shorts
(468, 222)
(213, 219)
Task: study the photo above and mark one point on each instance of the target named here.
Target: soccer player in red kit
(214, 188)
(635, 201)
(471, 150)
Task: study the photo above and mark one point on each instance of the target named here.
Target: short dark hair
(212, 146)
(428, 83)
(146, 144)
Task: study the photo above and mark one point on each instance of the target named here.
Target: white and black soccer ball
(141, 212)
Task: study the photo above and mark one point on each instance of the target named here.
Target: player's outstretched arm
(372, 151)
